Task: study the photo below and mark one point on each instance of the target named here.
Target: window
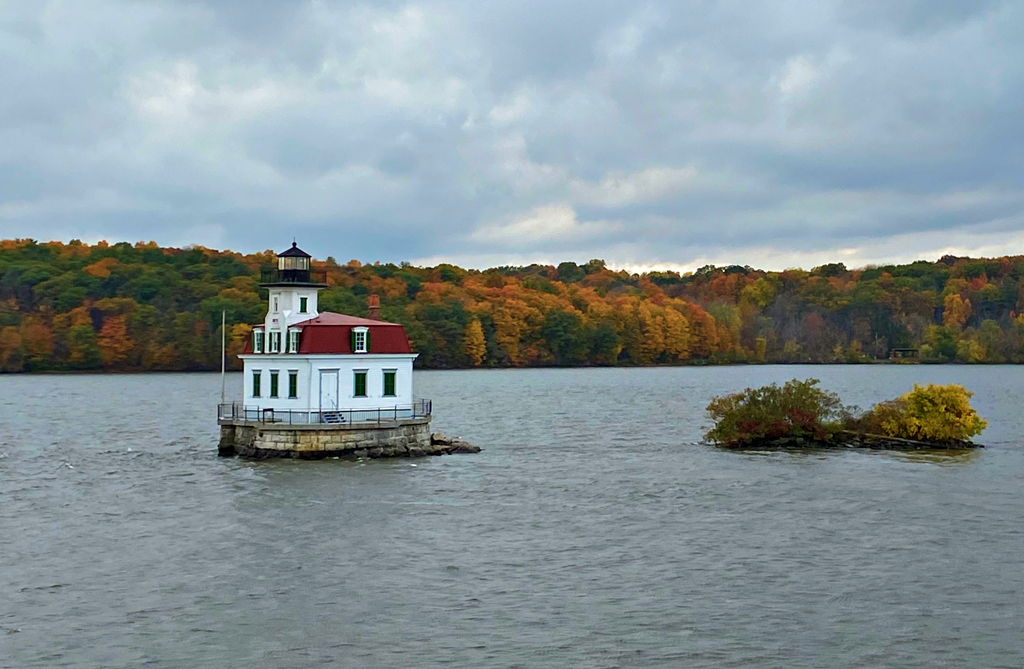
(303, 302)
(359, 389)
(293, 385)
(275, 304)
(360, 340)
(293, 341)
(275, 342)
(256, 377)
(273, 384)
(257, 341)
(389, 383)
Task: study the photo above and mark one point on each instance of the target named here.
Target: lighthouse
(319, 384)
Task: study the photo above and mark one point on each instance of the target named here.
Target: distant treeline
(144, 307)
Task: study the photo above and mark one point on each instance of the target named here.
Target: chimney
(373, 308)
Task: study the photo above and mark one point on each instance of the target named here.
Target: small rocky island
(800, 415)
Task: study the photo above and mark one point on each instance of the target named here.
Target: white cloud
(543, 224)
(517, 108)
(798, 74)
(618, 189)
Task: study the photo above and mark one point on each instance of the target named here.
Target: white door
(328, 390)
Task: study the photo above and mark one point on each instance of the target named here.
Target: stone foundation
(402, 438)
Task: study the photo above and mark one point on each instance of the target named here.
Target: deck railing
(238, 412)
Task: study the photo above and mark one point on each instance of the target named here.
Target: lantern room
(293, 267)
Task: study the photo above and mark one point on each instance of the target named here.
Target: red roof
(329, 318)
(328, 333)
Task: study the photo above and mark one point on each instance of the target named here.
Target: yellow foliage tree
(238, 337)
(510, 325)
(677, 334)
(760, 348)
(652, 333)
(970, 350)
(931, 413)
(474, 343)
(955, 311)
(703, 333)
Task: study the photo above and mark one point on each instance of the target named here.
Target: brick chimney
(373, 308)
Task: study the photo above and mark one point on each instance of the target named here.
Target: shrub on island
(800, 413)
(796, 410)
(934, 413)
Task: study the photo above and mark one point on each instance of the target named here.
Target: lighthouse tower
(292, 289)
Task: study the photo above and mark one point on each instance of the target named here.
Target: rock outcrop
(448, 446)
(846, 439)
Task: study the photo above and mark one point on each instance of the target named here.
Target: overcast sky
(653, 135)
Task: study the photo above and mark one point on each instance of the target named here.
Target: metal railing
(274, 275)
(238, 412)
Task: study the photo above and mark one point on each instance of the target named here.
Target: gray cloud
(664, 134)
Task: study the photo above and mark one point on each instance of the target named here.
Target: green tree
(83, 348)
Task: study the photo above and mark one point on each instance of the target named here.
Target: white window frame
(257, 341)
(275, 343)
(295, 373)
(361, 335)
(293, 341)
(257, 374)
(277, 304)
(303, 305)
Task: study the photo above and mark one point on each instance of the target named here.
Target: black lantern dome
(293, 267)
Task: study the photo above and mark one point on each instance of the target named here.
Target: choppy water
(592, 532)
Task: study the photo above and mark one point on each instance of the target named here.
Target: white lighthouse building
(307, 366)
(319, 384)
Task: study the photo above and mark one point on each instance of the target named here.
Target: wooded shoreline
(142, 307)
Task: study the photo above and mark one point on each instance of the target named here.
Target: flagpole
(223, 354)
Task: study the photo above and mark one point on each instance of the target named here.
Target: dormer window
(293, 341)
(275, 343)
(360, 340)
(257, 341)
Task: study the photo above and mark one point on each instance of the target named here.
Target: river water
(593, 531)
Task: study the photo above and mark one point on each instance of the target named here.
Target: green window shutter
(273, 384)
(367, 341)
(303, 301)
(293, 385)
(389, 384)
(352, 341)
(255, 384)
(360, 384)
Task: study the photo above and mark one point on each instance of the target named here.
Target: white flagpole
(223, 354)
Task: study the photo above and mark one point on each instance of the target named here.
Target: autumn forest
(130, 307)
